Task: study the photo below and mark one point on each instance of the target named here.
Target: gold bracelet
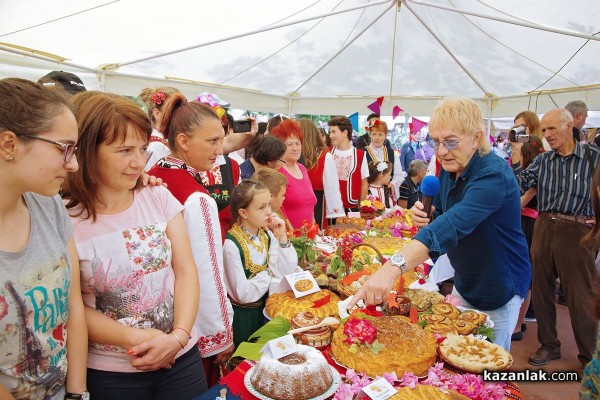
(189, 334)
(179, 341)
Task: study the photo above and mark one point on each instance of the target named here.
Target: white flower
(382, 166)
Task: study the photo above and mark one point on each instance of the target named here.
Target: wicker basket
(344, 290)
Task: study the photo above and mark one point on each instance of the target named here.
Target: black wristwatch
(77, 396)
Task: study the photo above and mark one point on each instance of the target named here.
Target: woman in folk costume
(316, 155)
(195, 136)
(377, 151)
(256, 253)
(351, 165)
(154, 99)
(380, 174)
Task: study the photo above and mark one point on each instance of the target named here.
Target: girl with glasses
(39, 273)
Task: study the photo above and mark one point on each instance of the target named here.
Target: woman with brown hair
(139, 279)
(316, 155)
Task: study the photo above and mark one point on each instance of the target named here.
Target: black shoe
(516, 337)
(561, 300)
(523, 327)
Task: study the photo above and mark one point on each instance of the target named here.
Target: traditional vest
(388, 155)
(350, 189)
(181, 184)
(221, 192)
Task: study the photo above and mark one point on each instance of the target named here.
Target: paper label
(281, 346)
(379, 389)
(302, 283)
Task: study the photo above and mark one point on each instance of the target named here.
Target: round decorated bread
(323, 303)
(406, 348)
(428, 392)
(301, 375)
(474, 355)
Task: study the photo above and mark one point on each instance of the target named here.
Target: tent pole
(450, 53)
(44, 58)
(344, 47)
(508, 21)
(265, 29)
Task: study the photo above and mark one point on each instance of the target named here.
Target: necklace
(243, 237)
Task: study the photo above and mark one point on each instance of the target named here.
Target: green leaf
(275, 328)
(376, 347)
(310, 255)
(485, 331)
(353, 348)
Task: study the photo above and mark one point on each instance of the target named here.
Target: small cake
(322, 304)
(406, 348)
(301, 375)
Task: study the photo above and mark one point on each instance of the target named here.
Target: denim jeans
(504, 318)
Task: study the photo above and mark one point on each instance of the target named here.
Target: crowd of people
(156, 236)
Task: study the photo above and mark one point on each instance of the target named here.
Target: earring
(10, 158)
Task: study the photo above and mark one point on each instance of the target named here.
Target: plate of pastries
(471, 354)
(446, 319)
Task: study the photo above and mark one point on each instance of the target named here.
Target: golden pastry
(322, 304)
(428, 392)
(464, 327)
(473, 316)
(445, 309)
(474, 355)
(435, 319)
(440, 329)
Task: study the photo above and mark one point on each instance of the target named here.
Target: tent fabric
(411, 51)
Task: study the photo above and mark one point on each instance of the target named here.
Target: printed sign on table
(379, 389)
(302, 283)
(281, 346)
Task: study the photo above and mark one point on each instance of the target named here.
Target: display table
(234, 383)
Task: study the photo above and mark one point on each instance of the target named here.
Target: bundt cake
(301, 375)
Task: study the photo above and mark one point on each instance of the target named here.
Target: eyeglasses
(451, 144)
(68, 149)
(283, 161)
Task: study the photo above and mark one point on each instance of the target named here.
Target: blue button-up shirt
(478, 224)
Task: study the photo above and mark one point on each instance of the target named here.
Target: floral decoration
(158, 97)
(3, 307)
(361, 332)
(371, 205)
(469, 385)
(303, 240)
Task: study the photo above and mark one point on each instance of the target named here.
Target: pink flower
(344, 392)
(409, 379)
(359, 331)
(455, 301)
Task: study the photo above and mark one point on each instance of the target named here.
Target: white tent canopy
(317, 56)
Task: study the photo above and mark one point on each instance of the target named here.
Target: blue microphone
(429, 188)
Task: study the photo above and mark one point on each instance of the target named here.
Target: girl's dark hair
(267, 148)
(29, 108)
(374, 172)
(151, 103)
(182, 116)
(242, 196)
(102, 118)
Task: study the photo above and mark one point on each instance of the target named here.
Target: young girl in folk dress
(256, 249)
(380, 174)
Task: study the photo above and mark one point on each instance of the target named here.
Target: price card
(280, 347)
(353, 214)
(379, 389)
(302, 283)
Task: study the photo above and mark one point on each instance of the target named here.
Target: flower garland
(469, 385)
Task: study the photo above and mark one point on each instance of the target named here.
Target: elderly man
(477, 223)
(563, 179)
(579, 112)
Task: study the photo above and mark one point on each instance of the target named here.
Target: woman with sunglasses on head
(39, 276)
(139, 279)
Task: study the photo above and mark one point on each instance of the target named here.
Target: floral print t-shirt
(126, 272)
